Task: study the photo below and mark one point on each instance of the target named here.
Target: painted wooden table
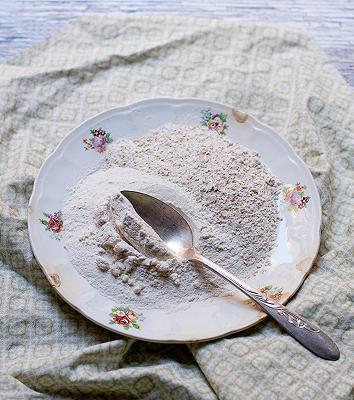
(331, 23)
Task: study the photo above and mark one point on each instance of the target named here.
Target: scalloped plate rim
(256, 123)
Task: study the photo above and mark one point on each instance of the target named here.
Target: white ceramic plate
(80, 152)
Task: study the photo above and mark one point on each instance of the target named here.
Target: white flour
(224, 189)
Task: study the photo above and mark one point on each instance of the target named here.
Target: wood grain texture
(331, 23)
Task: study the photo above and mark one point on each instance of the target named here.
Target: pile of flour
(229, 196)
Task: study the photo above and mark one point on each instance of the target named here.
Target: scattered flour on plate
(229, 196)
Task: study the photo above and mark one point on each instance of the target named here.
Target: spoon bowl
(167, 222)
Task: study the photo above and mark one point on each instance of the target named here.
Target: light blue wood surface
(331, 23)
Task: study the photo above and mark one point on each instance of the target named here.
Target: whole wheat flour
(228, 195)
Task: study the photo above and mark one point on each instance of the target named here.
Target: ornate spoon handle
(305, 332)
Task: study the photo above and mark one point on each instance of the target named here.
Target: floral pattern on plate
(125, 317)
(272, 292)
(214, 121)
(294, 196)
(53, 223)
(98, 140)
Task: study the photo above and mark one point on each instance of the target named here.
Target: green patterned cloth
(48, 350)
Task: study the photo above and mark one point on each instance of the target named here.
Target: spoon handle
(305, 332)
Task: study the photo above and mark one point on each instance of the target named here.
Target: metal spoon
(175, 231)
